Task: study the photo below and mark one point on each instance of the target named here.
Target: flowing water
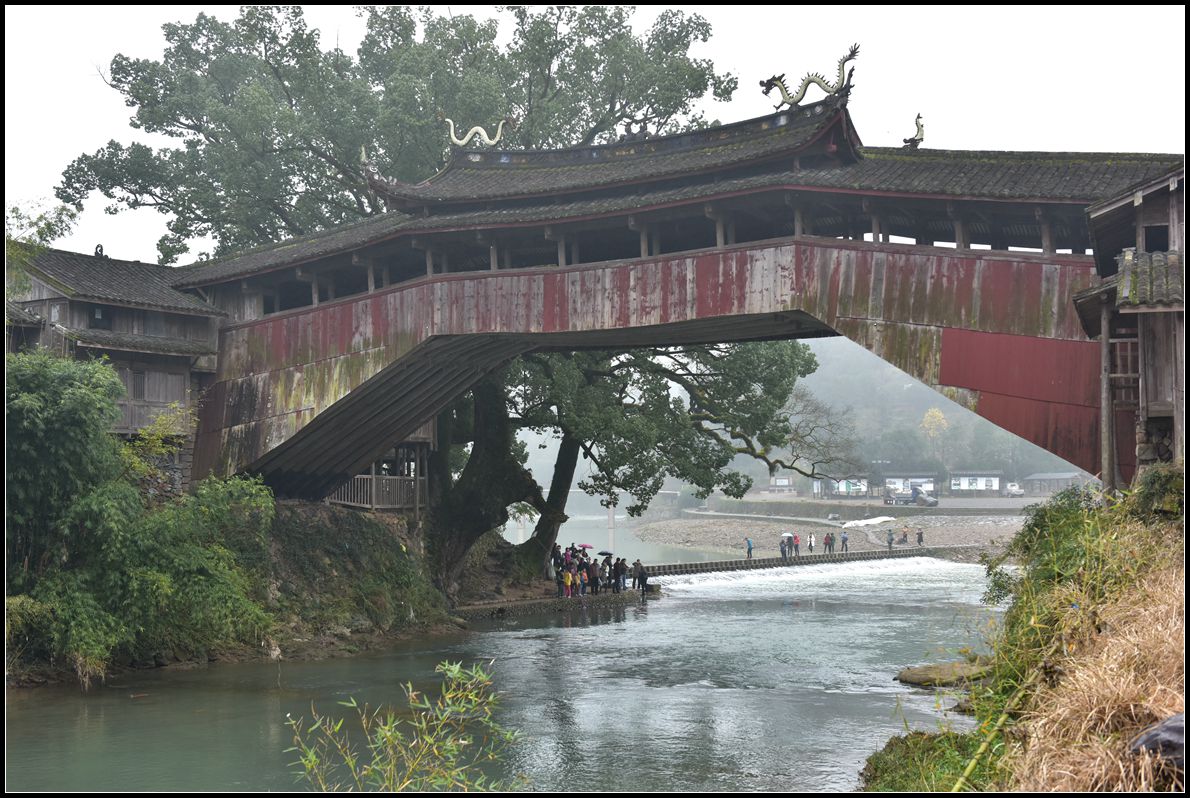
(771, 680)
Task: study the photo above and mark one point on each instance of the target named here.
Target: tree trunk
(534, 553)
(478, 501)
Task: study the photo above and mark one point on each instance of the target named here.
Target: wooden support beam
(575, 258)
(644, 242)
(1047, 232)
(561, 252)
(371, 278)
(429, 263)
(799, 221)
(493, 256)
(314, 293)
(1107, 464)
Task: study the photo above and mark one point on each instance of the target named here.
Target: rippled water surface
(770, 680)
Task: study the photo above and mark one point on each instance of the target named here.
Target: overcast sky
(1086, 78)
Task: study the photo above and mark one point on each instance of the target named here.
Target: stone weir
(675, 569)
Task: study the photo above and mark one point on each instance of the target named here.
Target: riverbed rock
(1167, 739)
(944, 674)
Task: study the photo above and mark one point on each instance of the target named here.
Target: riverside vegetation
(1089, 653)
(106, 568)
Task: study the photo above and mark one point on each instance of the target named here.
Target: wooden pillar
(1138, 207)
(372, 485)
(799, 221)
(417, 477)
(720, 232)
(371, 279)
(429, 263)
(493, 256)
(1107, 447)
(961, 240)
(875, 229)
(644, 242)
(314, 292)
(561, 251)
(574, 253)
(1047, 236)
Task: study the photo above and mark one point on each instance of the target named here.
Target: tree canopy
(270, 125)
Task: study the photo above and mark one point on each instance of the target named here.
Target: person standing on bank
(843, 540)
(810, 542)
(749, 542)
(797, 544)
(890, 539)
(783, 552)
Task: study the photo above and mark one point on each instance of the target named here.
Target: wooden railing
(382, 493)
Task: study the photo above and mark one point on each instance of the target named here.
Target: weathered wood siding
(279, 376)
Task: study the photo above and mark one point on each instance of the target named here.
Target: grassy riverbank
(1090, 652)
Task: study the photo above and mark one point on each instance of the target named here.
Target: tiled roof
(1005, 176)
(342, 238)
(100, 279)
(1052, 176)
(493, 174)
(15, 314)
(1150, 279)
(107, 339)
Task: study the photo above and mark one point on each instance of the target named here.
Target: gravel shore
(727, 535)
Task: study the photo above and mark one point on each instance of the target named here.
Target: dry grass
(1126, 674)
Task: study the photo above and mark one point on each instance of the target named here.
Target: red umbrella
(585, 546)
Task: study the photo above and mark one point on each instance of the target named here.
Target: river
(769, 680)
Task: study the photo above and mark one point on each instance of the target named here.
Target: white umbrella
(786, 534)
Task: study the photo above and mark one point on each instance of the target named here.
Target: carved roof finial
(477, 131)
(841, 87)
(918, 137)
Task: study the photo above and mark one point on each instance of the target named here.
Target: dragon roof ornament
(840, 88)
(479, 132)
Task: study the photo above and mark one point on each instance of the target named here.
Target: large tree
(638, 417)
(270, 125)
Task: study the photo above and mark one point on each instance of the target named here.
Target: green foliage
(440, 745)
(133, 584)
(269, 125)
(330, 566)
(27, 232)
(920, 762)
(26, 625)
(1072, 557)
(1160, 491)
(647, 414)
(58, 447)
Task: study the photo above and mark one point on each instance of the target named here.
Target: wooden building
(1138, 314)
(160, 340)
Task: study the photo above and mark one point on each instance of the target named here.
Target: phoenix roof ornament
(840, 87)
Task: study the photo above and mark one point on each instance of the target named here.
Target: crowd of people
(577, 573)
(791, 544)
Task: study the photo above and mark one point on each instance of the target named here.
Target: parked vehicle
(1013, 489)
(914, 495)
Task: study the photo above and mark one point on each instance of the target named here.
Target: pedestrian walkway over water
(805, 559)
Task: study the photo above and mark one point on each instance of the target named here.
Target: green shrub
(438, 746)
